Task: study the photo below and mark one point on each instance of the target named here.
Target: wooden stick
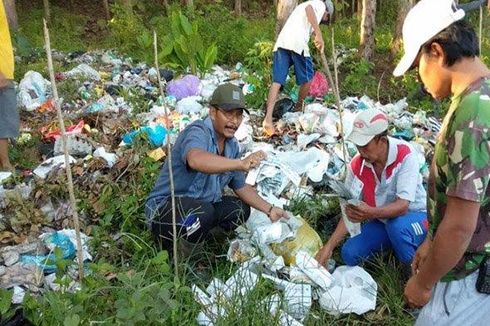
(73, 203)
(169, 158)
(335, 89)
(481, 27)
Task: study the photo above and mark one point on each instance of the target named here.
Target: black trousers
(195, 219)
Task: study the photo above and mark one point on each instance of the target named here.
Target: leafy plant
(259, 66)
(184, 47)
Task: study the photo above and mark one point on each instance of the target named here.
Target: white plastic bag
(353, 291)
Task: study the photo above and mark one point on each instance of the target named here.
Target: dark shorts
(283, 59)
(9, 122)
(195, 218)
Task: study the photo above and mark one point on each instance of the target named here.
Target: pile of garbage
(110, 103)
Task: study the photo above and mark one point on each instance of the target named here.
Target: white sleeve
(407, 178)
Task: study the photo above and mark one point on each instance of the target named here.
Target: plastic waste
(319, 85)
(306, 240)
(184, 87)
(44, 168)
(353, 291)
(48, 262)
(71, 130)
(110, 158)
(189, 105)
(32, 91)
(156, 135)
(83, 71)
(283, 106)
(316, 272)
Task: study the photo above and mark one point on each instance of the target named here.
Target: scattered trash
(353, 291)
(50, 164)
(110, 158)
(319, 85)
(157, 135)
(77, 146)
(184, 87)
(32, 91)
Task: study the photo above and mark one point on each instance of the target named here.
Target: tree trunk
(284, 9)
(106, 9)
(47, 13)
(238, 8)
(11, 14)
(403, 9)
(367, 28)
(188, 3)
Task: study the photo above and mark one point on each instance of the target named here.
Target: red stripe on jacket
(368, 178)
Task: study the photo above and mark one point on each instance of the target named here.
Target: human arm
(250, 196)
(3, 81)
(310, 15)
(450, 243)
(209, 163)
(326, 251)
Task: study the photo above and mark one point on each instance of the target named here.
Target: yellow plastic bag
(306, 239)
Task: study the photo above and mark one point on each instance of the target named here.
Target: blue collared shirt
(190, 183)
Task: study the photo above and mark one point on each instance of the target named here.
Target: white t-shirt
(295, 34)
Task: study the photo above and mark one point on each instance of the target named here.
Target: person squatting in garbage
(291, 49)
(451, 268)
(385, 176)
(206, 158)
(9, 123)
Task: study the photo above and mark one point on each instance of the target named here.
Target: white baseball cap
(367, 125)
(424, 21)
(329, 6)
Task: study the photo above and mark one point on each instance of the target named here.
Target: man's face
(226, 123)
(325, 18)
(372, 150)
(433, 73)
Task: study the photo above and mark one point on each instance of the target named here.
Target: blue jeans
(402, 234)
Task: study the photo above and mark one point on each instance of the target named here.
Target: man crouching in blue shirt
(206, 158)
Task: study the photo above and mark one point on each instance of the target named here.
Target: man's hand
(252, 161)
(421, 255)
(319, 44)
(277, 213)
(359, 213)
(4, 82)
(268, 126)
(323, 255)
(416, 295)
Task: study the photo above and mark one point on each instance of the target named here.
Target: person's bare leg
(4, 155)
(303, 92)
(271, 101)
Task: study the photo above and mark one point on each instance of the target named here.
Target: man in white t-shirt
(291, 49)
(385, 176)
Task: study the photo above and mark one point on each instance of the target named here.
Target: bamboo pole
(335, 88)
(76, 222)
(481, 27)
(169, 160)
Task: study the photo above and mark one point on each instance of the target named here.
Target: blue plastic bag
(47, 262)
(156, 135)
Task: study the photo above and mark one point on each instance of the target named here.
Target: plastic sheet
(32, 91)
(184, 87)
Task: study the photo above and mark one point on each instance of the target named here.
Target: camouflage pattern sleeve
(468, 146)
